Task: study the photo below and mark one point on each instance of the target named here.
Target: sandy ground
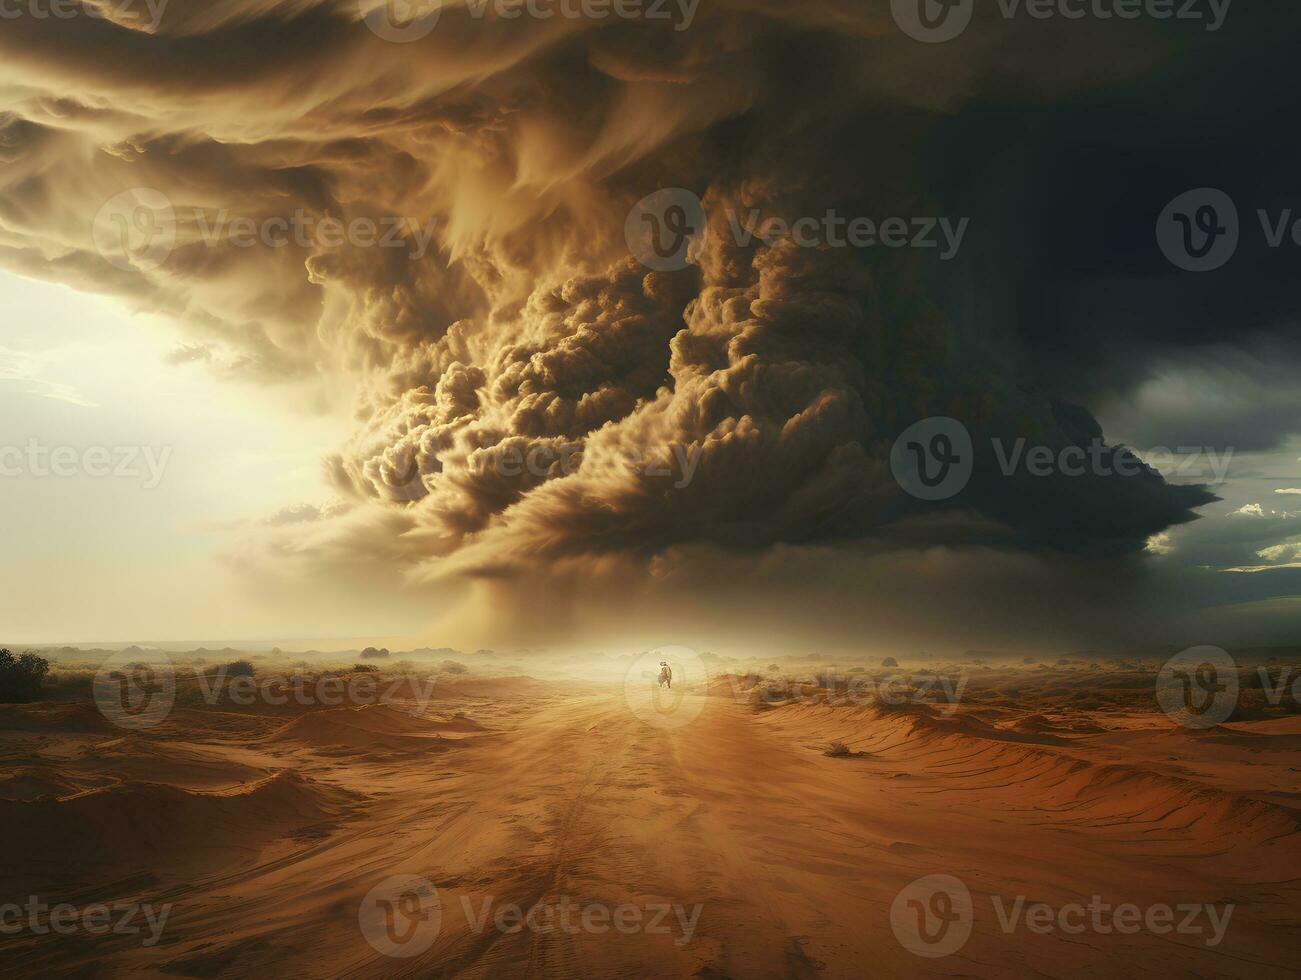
(736, 846)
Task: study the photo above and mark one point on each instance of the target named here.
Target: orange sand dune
(64, 717)
(37, 782)
(554, 796)
(185, 765)
(139, 825)
(367, 729)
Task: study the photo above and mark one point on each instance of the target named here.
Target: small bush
(365, 669)
(370, 653)
(838, 750)
(768, 693)
(889, 662)
(21, 677)
(452, 667)
(240, 668)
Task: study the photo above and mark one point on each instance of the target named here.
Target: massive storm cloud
(528, 390)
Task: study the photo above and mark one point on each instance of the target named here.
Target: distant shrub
(240, 668)
(768, 693)
(889, 662)
(365, 669)
(67, 682)
(838, 750)
(452, 667)
(370, 653)
(21, 677)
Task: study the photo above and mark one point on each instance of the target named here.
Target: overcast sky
(365, 323)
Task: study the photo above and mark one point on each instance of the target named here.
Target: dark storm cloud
(784, 373)
(1072, 191)
(1241, 394)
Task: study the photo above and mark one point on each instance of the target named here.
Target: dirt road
(728, 847)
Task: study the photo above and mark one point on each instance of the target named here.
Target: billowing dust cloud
(526, 390)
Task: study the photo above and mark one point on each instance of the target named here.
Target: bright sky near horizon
(114, 557)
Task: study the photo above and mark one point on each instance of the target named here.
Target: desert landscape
(718, 489)
(759, 823)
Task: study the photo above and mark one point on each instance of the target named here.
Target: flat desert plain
(1027, 820)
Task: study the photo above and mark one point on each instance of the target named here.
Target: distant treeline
(21, 677)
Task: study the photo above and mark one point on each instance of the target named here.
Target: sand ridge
(267, 831)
